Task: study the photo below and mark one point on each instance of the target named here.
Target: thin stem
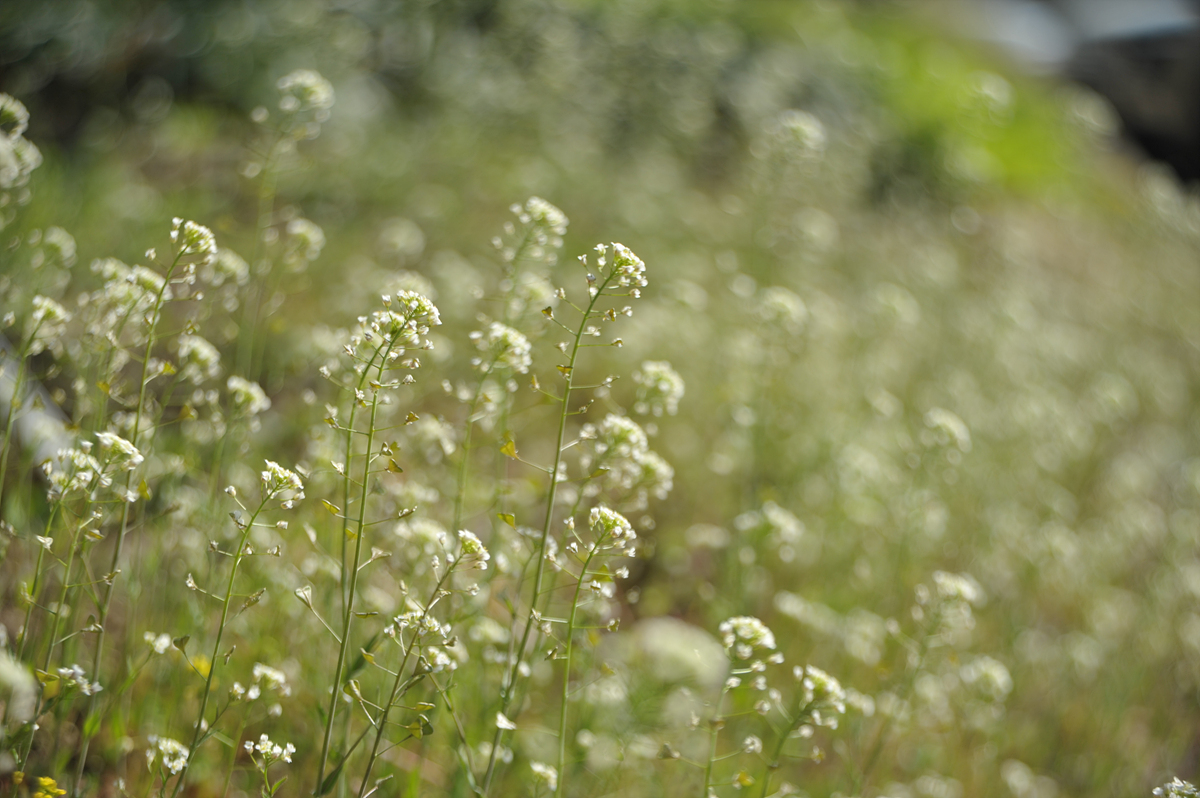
(801, 715)
(212, 663)
(352, 574)
(715, 727)
(566, 684)
(106, 602)
(14, 401)
(507, 688)
(387, 708)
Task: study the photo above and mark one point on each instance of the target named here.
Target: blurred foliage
(957, 237)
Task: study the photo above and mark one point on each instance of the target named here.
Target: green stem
(106, 601)
(715, 726)
(802, 714)
(507, 688)
(566, 684)
(212, 663)
(392, 697)
(350, 576)
(14, 401)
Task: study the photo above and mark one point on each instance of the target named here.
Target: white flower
(545, 774)
(957, 587)
(507, 347)
(305, 238)
(191, 239)
(304, 90)
(745, 633)
(474, 552)
(14, 117)
(631, 271)
(200, 360)
(124, 454)
(659, 388)
(271, 678)
(247, 397)
(174, 753)
(612, 524)
(158, 643)
(277, 479)
(780, 306)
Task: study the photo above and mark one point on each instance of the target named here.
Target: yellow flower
(48, 788)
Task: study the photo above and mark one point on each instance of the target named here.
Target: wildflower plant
(278, 518)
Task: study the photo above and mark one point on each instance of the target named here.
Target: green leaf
(91, 725)
(332, 779)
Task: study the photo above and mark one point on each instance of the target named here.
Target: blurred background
(983, 206)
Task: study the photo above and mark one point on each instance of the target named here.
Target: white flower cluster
(744, 633)
(957, 587)
(127, 290)
(1177, 788)
(174, 753)
(821, 692)
(157, 643)
(474, 553)
(270, 752)
(659, 388)
(804, 132)
(121, 452)
(75, 676)
(631, 271)
(613, 526)
(271, 678)
(305, 240)
(193, 240)
(544, 774)
(199, 359)
(276, 479)
(46, 324)
(76, 472)
(989, 676)
(505, 347)
(18, 156)
(783, 308)
(228, 267)
(948, 429)
(539, 213)
(619, 446)
(247, 397)
(404, 325)
(305, 90)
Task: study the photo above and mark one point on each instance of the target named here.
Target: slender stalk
(507, 688)
(392, 697)
(460, 493)
(714, 728)
(802, 715)
(36, 588)
(250, 310)
(14, 401)
(106, 602)
(238, 556)
(350, 576)
(566, 684)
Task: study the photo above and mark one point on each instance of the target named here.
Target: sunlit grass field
(585, 398)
